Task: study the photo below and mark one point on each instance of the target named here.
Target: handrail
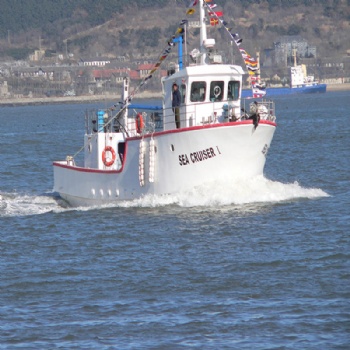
(154, 120)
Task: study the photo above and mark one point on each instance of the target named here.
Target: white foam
(214, 195)
(255, 190)
(13, 204)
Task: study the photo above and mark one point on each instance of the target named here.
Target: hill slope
(138, 27)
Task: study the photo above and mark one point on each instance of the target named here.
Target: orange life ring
(139, 123)
(104, 158)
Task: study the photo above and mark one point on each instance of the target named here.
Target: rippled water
(262, 265)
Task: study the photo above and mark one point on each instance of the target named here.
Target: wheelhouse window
(233, 90)
(198, 89)
(183, 92)
(216, 91)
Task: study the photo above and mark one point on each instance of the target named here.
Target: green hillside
(122, 27)
(20, 15)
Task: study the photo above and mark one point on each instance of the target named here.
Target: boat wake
(253, 191)
(14, 204)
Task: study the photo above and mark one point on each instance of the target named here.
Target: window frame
(200, 85)
(237, 86)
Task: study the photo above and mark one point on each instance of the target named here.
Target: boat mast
(295, 56)
(203, 31)
(258, 65)
(125, 97)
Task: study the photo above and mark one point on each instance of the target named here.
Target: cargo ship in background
(301, 83)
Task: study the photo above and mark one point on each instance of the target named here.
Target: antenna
(203, 32)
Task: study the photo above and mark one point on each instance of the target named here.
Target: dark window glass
(216, 91)
(183, 92)
(233, 90)
(198, 89)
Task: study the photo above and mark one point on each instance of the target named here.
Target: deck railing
(105, 121)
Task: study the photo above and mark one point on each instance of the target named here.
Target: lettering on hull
(265, 150)
(198, 156)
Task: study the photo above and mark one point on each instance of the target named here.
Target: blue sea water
(262, 265)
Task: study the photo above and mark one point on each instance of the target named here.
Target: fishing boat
(133, 150)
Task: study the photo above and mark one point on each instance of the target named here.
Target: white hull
(198, 136)
(183, 159)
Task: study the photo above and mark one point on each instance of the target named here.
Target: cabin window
(198, 89)
(233, 91)
(183, 92)
(216, 91)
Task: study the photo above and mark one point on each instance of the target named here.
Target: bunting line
(250, 62)
(170, 44)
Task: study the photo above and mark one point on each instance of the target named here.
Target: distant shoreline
(26, 101)
(338, 87)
